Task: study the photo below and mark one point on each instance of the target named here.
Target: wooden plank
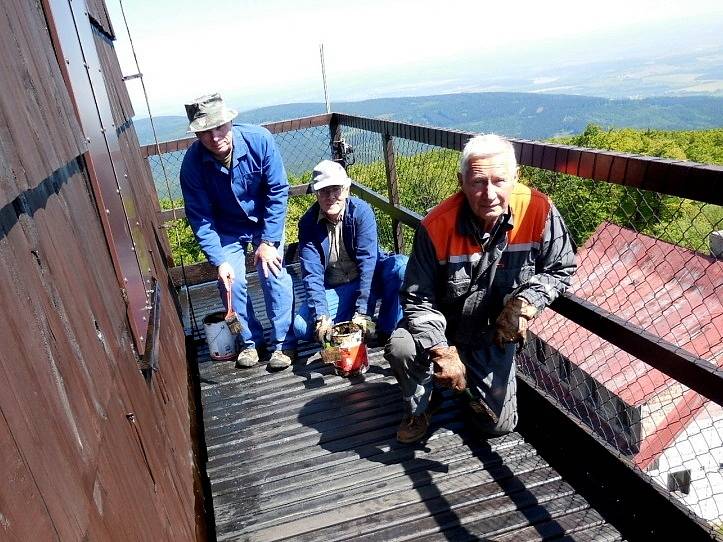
(34, 104)
(202, 272)
(24, 513)
(393, 189)
(402, 214)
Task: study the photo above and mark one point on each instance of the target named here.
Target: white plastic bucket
(221, 343)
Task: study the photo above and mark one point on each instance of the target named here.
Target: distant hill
(524, 115)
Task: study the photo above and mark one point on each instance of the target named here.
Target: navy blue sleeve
(312, 270)
(367, 251)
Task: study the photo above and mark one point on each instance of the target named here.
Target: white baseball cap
(329, 173)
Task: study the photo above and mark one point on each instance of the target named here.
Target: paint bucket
(221, 342)
(352, 352)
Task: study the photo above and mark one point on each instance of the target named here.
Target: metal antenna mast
(323, 76)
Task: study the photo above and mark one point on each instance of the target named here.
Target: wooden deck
(304, 454)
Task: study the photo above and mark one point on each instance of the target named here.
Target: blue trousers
(341, 300)
(278, 297)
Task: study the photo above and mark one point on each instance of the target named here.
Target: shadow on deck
(307, 455)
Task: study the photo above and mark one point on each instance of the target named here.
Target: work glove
(449, 371)
(366, 324)
(323, 329)
(511, 324)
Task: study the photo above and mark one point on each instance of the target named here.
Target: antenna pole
(323, 77)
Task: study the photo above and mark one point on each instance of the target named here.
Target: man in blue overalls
(343, 269)
(235, 191)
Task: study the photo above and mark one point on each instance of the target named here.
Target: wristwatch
(270, 243)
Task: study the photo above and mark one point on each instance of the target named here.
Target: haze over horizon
(261, 55)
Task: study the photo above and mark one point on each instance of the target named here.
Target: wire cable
(139, 75)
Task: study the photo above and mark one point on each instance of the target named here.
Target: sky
(258, 53)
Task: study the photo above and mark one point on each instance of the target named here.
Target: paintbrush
(479, 406)
(231, 319)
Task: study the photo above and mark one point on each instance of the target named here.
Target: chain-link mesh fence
(301, 151)
(643, 256)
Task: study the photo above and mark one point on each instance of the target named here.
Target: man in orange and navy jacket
(485, 261)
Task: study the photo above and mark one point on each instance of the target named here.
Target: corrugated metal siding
(90, 450)
(304, 454)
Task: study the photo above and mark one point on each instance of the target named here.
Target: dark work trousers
(490, 376)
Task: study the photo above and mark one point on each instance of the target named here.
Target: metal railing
(634, 350)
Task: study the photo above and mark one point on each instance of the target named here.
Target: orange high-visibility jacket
(455, 288)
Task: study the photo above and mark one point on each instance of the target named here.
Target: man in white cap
(235, 192)
(344, 271)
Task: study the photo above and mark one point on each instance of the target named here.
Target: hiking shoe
(248, 357)
(280, 359)
(413, 428)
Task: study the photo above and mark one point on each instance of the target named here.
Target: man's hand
(269, 258)
(511, 325)
(323, 329)
(449, 371)
(226, 274)
(366, 324)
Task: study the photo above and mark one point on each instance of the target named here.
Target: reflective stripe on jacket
(456, 289)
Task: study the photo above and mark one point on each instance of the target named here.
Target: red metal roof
(665, 289)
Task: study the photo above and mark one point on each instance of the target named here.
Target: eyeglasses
(330, 191)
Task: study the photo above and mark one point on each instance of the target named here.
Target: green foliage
(426, 178)
(585, 203)
(183, 243)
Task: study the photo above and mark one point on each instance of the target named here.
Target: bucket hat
(208, 112)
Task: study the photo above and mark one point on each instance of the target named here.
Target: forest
(426, 177)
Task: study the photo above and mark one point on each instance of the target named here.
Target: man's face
(331, 200)
(217, 140)
(487, 184)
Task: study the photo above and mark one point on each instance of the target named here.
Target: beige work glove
(323, 329)
(449, 371)
(366, 324)
(511, 324)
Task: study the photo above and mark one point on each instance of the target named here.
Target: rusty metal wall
(90, 449)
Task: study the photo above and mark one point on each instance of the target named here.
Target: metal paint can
(221, 342)
(351, 358)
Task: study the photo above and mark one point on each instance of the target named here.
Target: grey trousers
(490, 376)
